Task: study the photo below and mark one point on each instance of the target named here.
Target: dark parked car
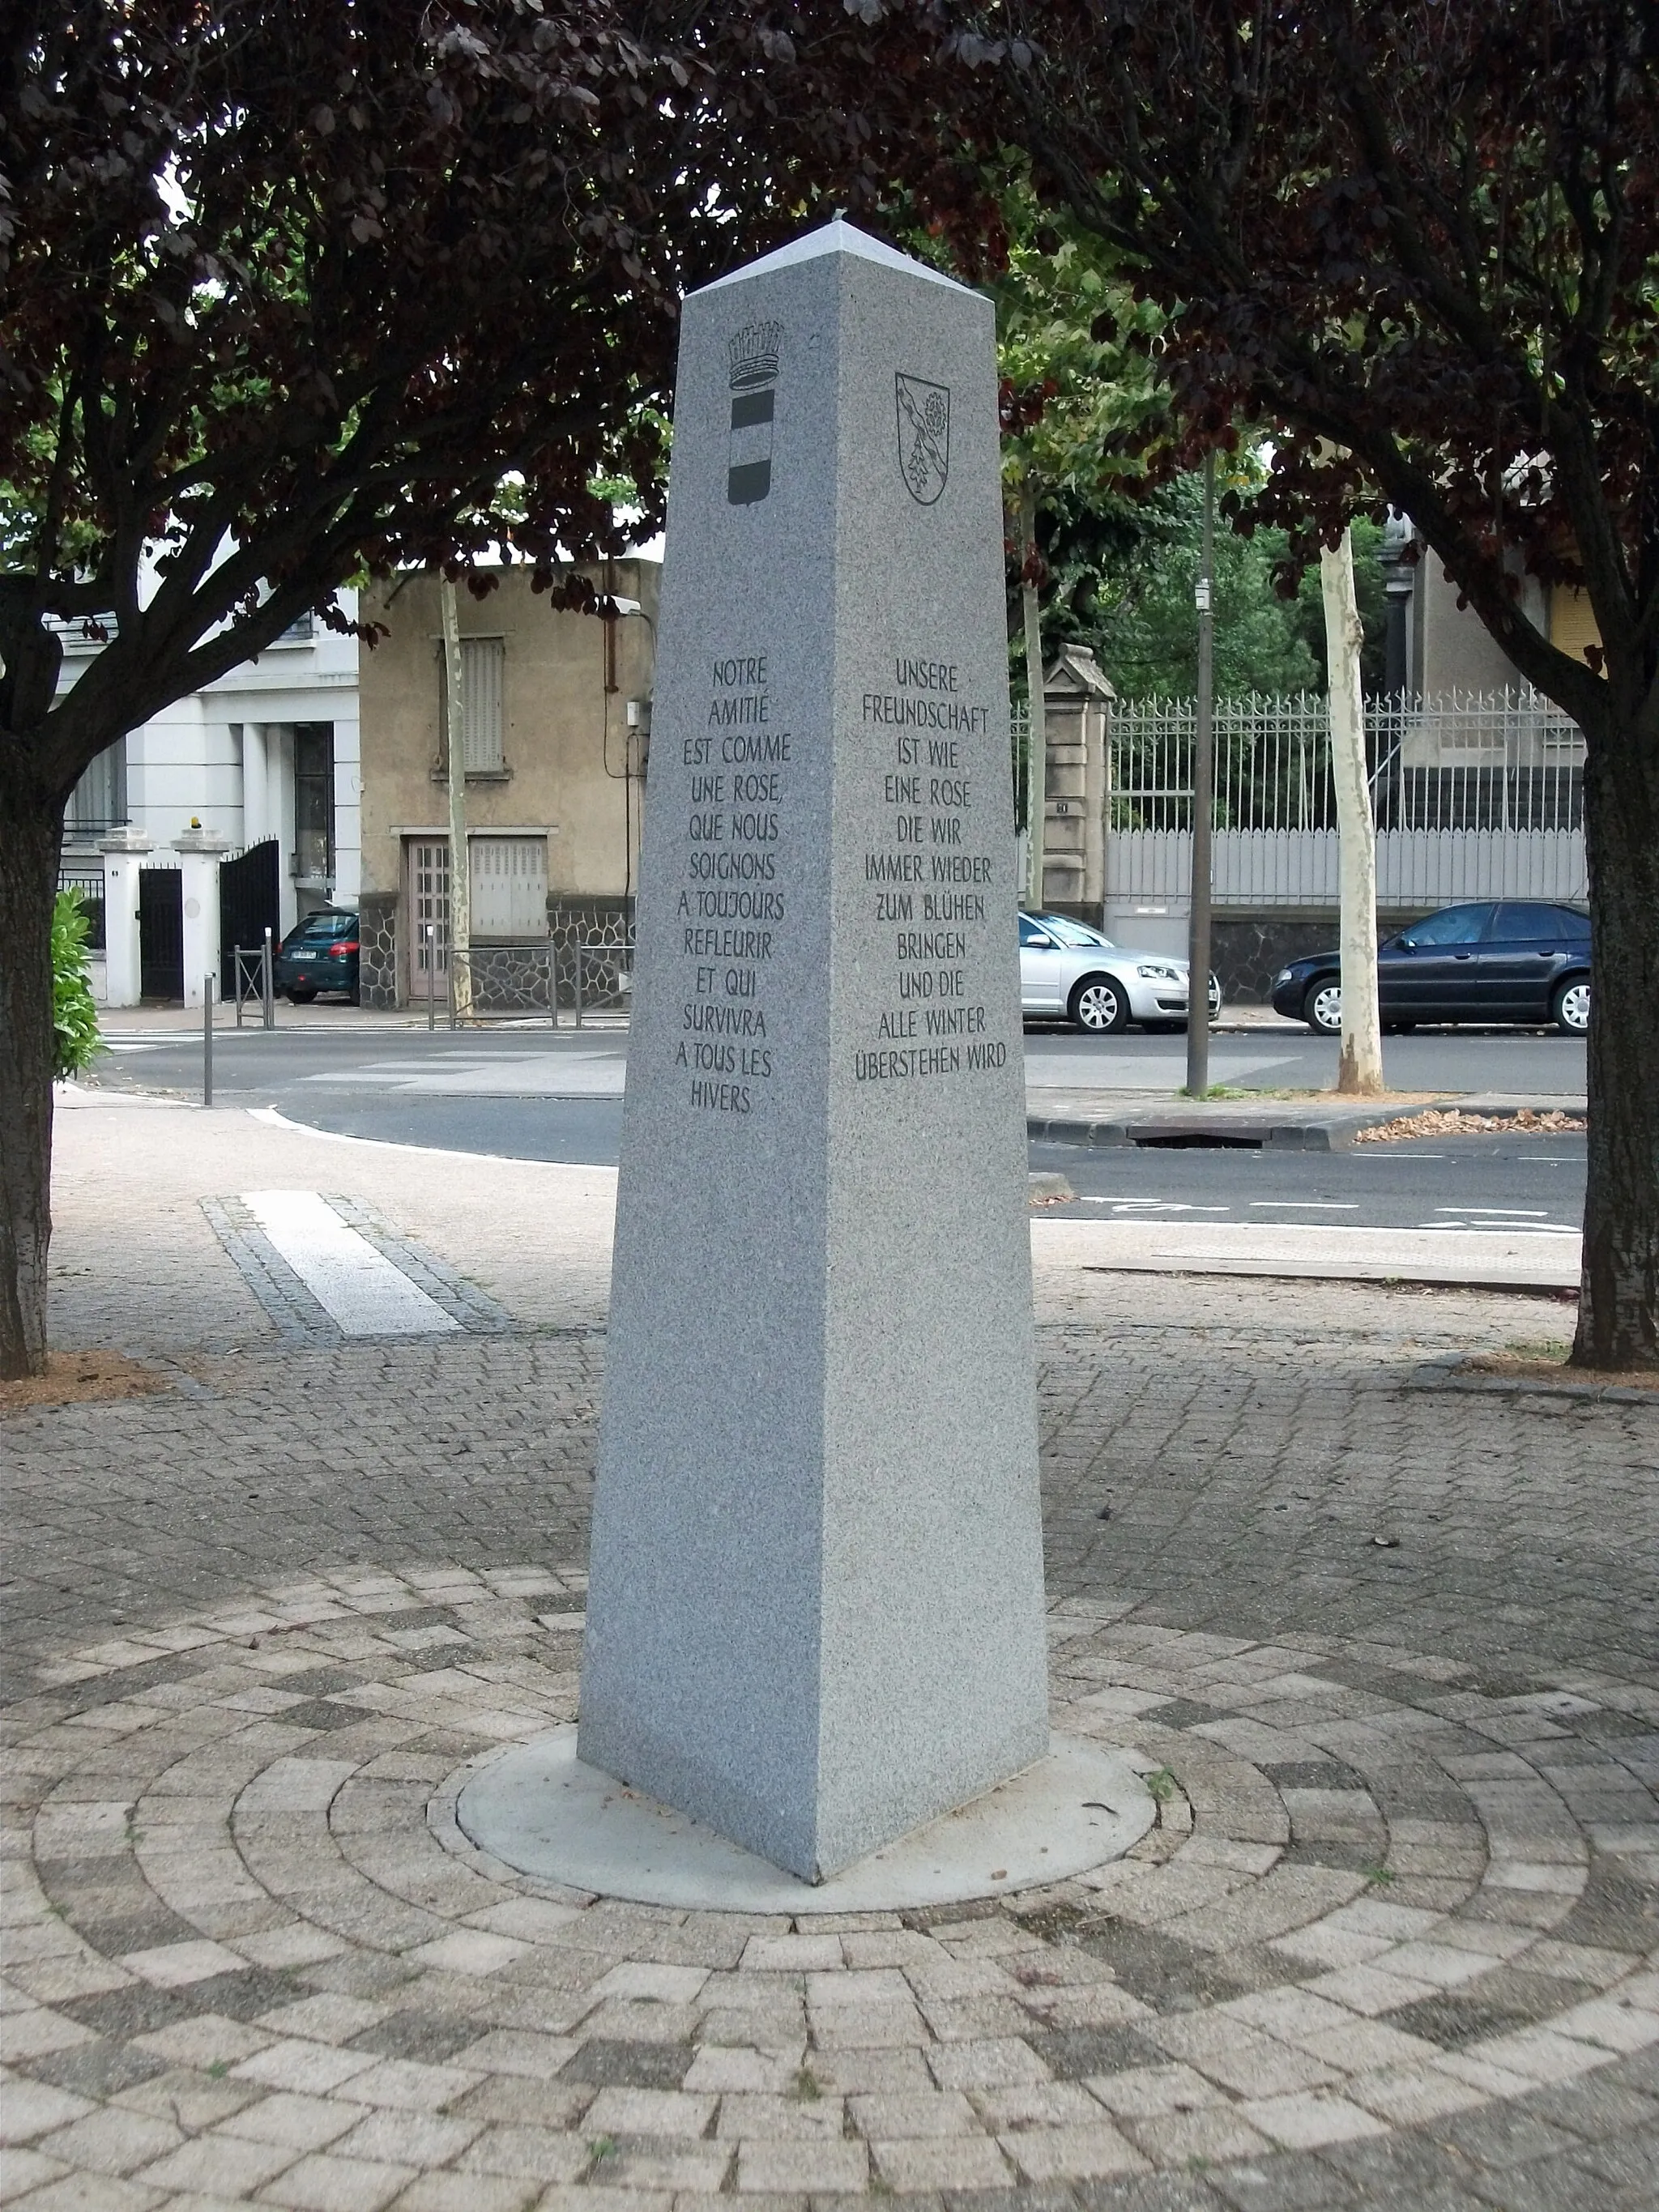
(1508, 960)
(321, 955)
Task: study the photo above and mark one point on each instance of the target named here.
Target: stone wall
(605, 929)
(1247, 950)
(378, 980)
(510, 978)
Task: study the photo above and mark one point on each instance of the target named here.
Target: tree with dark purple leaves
(293, 292)
(1420, 242)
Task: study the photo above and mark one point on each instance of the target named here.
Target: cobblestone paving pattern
(1392, 1942)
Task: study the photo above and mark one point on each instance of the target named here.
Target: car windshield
(1453, 925)
(1065, 930)
(327, 926)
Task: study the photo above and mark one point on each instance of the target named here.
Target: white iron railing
(1475, 796)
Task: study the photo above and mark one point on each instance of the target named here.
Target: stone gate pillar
(199, 853)
(124, 851)
(1076, 693)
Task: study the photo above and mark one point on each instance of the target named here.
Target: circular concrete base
(539, 1809)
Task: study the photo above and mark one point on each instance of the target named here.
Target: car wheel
(1321, 1009)
(1570, 1008)
(298, 998)
(1098, 1003)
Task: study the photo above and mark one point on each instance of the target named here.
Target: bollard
(431, 964)
(207, 1040)
(579, 982)
(268, 981)
(236, 981)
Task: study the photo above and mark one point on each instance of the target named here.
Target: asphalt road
(535, 1095)
(317, 1063)
(1515, 1182)
(1530, 1061)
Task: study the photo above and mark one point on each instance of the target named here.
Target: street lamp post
(1198, 941)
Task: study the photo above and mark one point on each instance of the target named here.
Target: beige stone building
(556, 725)
(1451, 650)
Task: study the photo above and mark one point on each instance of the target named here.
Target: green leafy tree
(1140, 621)
(1090, 437)
(74, 1012)
(1080, 406)
(1146, 631)
(1082, 412)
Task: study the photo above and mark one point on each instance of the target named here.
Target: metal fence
(89, 883)
(529, 983)
(1475, 796)
(252, 981)
(502, 983)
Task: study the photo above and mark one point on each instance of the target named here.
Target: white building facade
(270, 751)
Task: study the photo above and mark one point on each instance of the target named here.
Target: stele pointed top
(837, 236)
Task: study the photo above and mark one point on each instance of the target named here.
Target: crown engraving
(754, 352)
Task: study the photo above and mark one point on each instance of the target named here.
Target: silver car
(1066, 969)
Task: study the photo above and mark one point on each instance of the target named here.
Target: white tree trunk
(460, 877)
(1360, 1067)
(1037, 771)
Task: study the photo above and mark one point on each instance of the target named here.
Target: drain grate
(1198, 1140)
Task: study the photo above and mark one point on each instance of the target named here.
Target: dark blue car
(1505, 960)
(321, 955)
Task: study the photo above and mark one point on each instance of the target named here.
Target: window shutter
(483, 684)
(509, 887)
(482, 669)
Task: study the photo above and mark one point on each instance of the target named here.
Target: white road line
(1154, 1205)
(1496, 1213)
(358, 1287)
(1498, 1228)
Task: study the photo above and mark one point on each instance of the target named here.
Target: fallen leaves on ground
(72, 1376)
(1452, 1122)
(1516, 1367)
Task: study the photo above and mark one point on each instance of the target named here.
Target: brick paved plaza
(1390, 1943)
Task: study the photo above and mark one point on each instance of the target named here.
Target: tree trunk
(1037, 770)
(1360, 1069)
(460, 869)
(31, 831)
(1618, 1296)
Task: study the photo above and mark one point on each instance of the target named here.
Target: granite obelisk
(815, 1618)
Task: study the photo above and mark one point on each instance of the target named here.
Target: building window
(483, 668)
(314, 802)
(98, 803)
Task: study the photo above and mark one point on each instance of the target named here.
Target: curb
(1177, 1128)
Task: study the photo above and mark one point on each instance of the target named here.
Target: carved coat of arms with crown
(754, 352)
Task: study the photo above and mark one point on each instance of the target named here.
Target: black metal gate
(161, 933)
(249, 904)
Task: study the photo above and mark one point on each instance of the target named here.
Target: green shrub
(75, 1017)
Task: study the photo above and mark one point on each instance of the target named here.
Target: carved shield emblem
(924, 437)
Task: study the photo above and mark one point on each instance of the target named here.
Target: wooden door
(425, 904)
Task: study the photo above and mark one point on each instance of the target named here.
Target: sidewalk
(537, 1236)
(1386, 1643)
(331, 1017)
